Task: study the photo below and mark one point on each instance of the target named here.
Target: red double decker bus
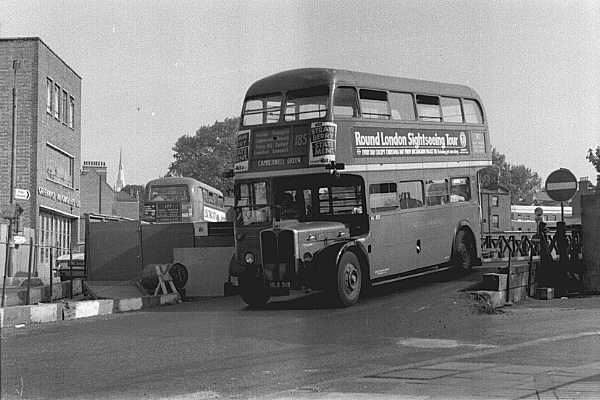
(345, 180)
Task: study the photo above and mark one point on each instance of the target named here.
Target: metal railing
(558, 250)
(502, 246)
(33, 265)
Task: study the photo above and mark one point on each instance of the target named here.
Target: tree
(496, 174)
(523, 183)
(518, 179)
(593, 156)
(208, 154)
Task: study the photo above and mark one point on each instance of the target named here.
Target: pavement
(553, 367)
(487, 374)
(108, 298)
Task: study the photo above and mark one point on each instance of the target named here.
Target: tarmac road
(422, 338)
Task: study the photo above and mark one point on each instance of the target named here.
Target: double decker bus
(345, 180)
(181, 199)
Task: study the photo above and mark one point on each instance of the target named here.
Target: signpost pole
(562, 212)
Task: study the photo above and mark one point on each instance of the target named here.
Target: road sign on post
(22, 194)
(561, 185)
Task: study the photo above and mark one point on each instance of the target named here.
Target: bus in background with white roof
(181, 199)
(345, 180)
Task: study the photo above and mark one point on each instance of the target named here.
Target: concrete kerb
(67, 310)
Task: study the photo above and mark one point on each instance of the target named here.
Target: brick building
(495, 209)
(99, 198)
(47, 141)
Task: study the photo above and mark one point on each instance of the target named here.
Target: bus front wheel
(252, 290)
(348, 280)
(463, 251)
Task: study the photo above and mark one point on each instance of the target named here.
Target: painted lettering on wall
(61, 198)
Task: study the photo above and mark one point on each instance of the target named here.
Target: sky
(154, 71)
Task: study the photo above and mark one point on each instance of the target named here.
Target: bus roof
(311, 77)
(181, 180)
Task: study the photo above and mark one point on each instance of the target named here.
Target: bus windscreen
(169, 193)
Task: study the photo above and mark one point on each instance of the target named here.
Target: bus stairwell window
(374, 104)
(428, 108)
(345, 103)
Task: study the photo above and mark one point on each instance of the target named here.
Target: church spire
(120, 175)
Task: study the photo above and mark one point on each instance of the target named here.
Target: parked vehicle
(68, 271)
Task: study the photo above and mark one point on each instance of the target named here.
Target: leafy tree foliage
(206, 155)
(521, 181)
(593, 156)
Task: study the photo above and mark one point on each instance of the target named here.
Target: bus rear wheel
(463, 251)
(252, 290)
(348, 280)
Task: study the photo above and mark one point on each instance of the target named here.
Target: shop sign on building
(42, 191)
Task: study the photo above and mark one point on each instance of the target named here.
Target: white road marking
(440, 343)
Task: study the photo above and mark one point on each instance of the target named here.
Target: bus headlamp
(249, 258)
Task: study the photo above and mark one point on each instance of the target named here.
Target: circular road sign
(561, 185)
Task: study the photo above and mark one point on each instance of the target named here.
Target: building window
(64, 106)
(495, 221)
(49, 95)
(71, 118)
(59, 166)
(55, 237)
(494, 201)
(56, 101)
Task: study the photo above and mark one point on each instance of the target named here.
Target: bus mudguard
(327, 259)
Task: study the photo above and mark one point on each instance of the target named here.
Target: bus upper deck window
(473, 114)
(374, 104)
(264, 110)
(428, 108)
(306, 103)
(451, 109)
(403, 106)
(345, 103)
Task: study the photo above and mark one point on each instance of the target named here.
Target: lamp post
(11, 212)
